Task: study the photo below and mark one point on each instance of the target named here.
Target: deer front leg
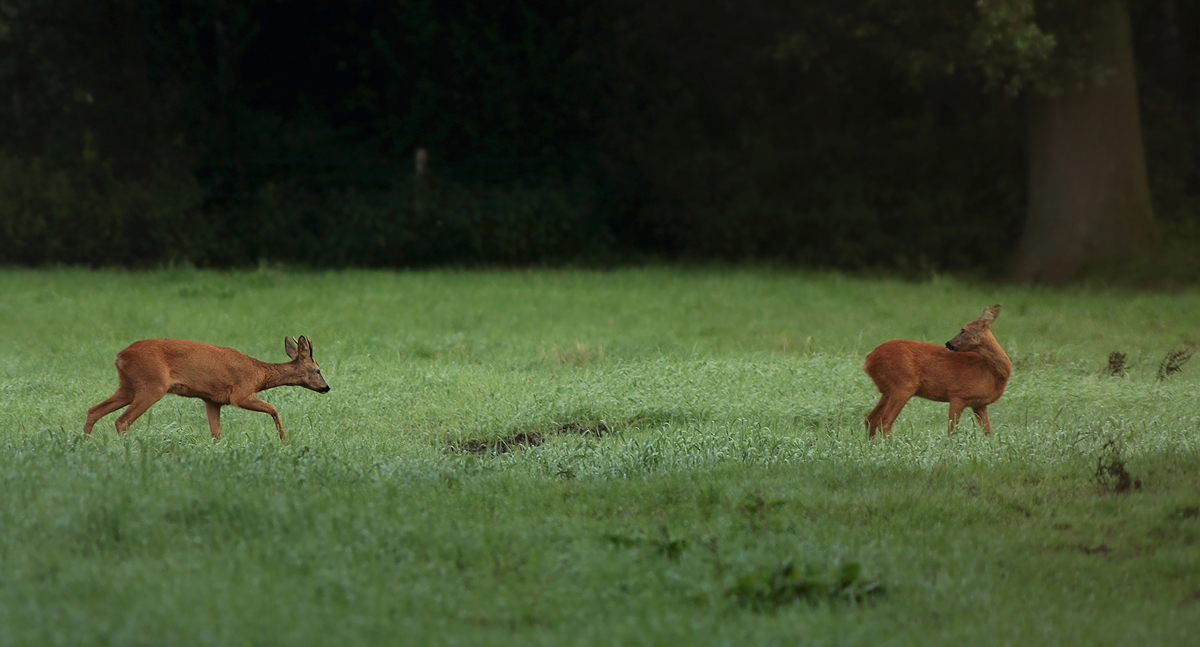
(252, 403)
(981, 417)
(956, 409)
(214, 418)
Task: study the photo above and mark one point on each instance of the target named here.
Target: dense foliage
(836, 134)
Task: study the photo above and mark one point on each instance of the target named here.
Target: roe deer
(970, 371)
(152, 368)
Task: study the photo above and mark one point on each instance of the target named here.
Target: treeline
(827, 133)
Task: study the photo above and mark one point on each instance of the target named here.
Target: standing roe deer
(152, 368)
(971, 371)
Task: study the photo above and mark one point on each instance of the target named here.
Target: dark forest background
(848, 134)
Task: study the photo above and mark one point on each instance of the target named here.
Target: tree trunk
(1088, 194)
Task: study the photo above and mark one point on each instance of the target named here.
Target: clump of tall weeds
(1116, 364)
(1174, 361)
(1111, 474)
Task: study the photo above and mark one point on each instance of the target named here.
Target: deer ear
(989, 314)
(289, 347)
(305, 346)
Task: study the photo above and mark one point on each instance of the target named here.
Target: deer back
(191, 369)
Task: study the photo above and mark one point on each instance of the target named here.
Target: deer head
(976, 333)
(308, 372)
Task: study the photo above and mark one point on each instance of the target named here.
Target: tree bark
(1089, 199)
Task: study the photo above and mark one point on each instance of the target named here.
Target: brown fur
(971, 370)
(152, 368)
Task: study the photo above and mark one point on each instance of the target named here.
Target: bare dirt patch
(528, 438)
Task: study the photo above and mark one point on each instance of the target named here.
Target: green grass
(734, 401)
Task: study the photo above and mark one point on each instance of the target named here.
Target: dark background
(850, 134)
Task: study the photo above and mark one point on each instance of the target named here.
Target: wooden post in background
(420, 181)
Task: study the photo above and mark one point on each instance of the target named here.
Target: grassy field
(705, 476)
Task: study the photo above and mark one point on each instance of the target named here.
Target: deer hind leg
(117, 400)
(214, 418)
(981, 417)
(886, 412)
(875, 418)
(252, 403)
(143, 399)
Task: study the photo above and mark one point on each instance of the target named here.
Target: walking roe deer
(970, 371)
(152, 368)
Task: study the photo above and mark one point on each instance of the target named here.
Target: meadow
(646, 456)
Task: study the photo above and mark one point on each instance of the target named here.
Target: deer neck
(995, 358)
(280, 374)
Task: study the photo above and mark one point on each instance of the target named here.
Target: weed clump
(768, 589)
(1111, 474)
(1116, 364)
(1187, 512)
(1174, 361)
(667, 547)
